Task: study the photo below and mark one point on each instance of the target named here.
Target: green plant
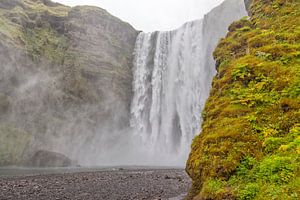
(240, 72)
(276, 169)
(249, 192)
(272, 144)
(245, 165)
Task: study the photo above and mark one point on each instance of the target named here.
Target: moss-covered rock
(249, 145)
(64, 71)
(14, 143)
(44, 158)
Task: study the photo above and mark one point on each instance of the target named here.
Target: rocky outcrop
(104, 48)
(65, 72)
(49, 159)
(248, 6)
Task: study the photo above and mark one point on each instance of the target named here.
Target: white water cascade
(173, 72)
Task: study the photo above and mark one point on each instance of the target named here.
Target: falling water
(173, 72)
(170, 82)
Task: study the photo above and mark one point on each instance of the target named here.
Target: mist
(121, 102)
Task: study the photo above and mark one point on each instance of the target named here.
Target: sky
(152, 15)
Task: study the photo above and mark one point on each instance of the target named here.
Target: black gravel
(119, 185)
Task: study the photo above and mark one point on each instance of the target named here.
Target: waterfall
(173, 72)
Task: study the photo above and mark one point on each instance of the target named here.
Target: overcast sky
(151, 15)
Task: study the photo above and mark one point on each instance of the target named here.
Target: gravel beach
(116, 184)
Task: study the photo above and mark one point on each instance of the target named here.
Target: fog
(91, 134)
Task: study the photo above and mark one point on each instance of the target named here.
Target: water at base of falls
(171, 84)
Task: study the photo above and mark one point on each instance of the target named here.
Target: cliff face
(249, 144)
(64, 72)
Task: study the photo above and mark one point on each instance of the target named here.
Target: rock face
(65, 72)
(248, 5)
(104, 48)
(49, 159)
(13, 144)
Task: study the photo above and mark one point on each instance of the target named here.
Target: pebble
(111, 185)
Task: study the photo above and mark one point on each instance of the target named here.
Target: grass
(45, 42)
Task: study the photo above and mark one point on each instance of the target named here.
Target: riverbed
(90, 183)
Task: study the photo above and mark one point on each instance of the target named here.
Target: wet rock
(49, 159)
(248, 5)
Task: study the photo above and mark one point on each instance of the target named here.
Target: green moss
(272, 144)
(249, 191)
(249, 145)
(46, 6)
(45, 42)
(32, 25)
(13, 143)
(9, 29)
(15, 21)
(215, 189)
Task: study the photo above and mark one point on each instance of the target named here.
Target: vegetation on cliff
(17, 16)
(60, 65)
(13, 143)
(30, 36)
(249, 147)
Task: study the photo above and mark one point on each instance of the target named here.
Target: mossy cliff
(249, 146)
(13, 144)
(64, 72)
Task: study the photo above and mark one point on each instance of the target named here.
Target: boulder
(44, 158)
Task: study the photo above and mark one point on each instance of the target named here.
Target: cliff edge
(249, 144)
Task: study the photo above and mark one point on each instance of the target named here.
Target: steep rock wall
(65, 74)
